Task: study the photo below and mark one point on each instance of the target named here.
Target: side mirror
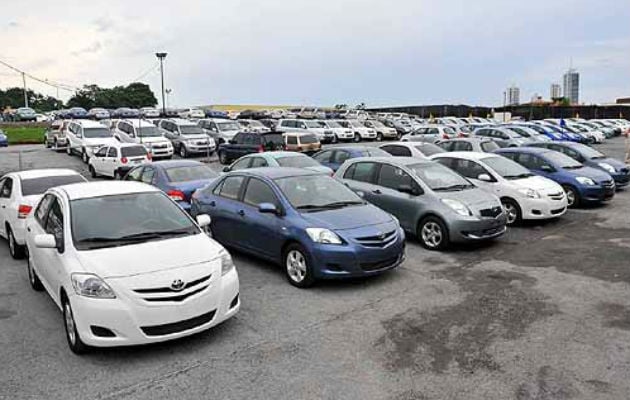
(408, 189)
(232, 141)
(546, 168)
(203, 220)
(485, 178)
(227, 169)
(45, 241)
(267, 208)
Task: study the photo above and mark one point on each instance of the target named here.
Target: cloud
(93, 48)
(104, 24)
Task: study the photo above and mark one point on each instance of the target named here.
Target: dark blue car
(177, 178)
(590, 157)
(311, 224)
(4, 141)
(335, 156)
(583, 185)
(77, 113)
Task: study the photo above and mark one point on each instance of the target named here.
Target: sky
(324, 52)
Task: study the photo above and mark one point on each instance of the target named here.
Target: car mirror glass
(267, 208)
(546, 168)
(484, 177)
(227, 169)
(203, 220)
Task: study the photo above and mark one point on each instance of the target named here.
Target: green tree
(134, 95)
(14, 98)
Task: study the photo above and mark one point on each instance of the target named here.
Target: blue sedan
(177, 178)
(335, 156)
(311, 224)
(582, 184)
(4, 141)
(590, 157)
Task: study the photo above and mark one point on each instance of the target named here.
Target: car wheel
(117, 175)
(223, 159)
(69, 150)
(33, 279)
(573, 199)
(16, 250)
(433, 234)
(92, 171)
(182, 151)
(512, 211)
(84, 156)
(72, 335)
(47, 143)
(356, 138)
(297, 266)
(379, 137)
(334, 139)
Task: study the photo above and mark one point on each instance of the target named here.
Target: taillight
(123, 160)
(261, 149)
(445, 136)
(23, 211)
(176, 195)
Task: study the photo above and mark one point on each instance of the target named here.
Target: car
(361, 132)
(252, 125)
(98, 113)
(248, 142)
(431, 201)
(221, 130)
(177, 178)
(403, 127)
(476, 144)
(607, 131)
(333, 158)
(4, 140)
(590, 157)
(592, 136)
(421, 150)
(77, 113)
(216, 114)
(125, 112)
(324, 135)
(430, 133)
(560, 133)
(55, 135)
(19, 193)
(551, 134)
(528, 133)
(382, 131)
(502, 136)
(303, 142)
(192, 113)
(582, 185)
(145, 272)
(339, 132)
(140, 131)
(186, 137)
(309, 223)
(524, 196)
(115, 161)
(86, 136)
(287, 159)
(23, 114)
(149, 112)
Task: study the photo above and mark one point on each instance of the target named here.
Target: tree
(134, 95)
(14, 98)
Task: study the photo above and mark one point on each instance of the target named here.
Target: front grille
(176, 299)
(556, 196)
(171, 290)
(608, 184)
(485, 232)
(491, 212)
(175, 327)
(558, 211)
(374, 266)
(380, 241)
(159, 146)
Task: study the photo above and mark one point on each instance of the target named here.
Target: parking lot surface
(542, 313)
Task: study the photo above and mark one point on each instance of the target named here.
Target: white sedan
(116, 160)
(126, 265)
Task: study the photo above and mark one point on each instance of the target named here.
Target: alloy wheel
(11, 244)
(570, 197)
(69, 321)
(432, 234)
(296, 266)
(511, 212)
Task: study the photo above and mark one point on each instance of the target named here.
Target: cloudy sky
(323, 52)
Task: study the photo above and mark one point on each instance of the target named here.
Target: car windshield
(356, 123)
(375, 152)
(377, 124)
(127, 219)
(313, 193)
(297, 162)
(190, 173)
(449, 131)
(439, 178)
(255, 123)
(344, 124)
(331, 124)
(507, 168)
(562, 161)
(511, 133)
(148, 131)
(36, 186)
(308, 139)
(589, 152)
(228, 126)
(428, 149)
(520, 131)
(312, 124)
(190, 130)
(271, 139)
(93, 133)
(133, 151)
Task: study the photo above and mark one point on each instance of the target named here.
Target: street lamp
(161, 57)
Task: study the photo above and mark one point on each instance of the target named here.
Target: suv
(139, 131)
(86, 136)
(115, 161)
(186, 137)
(192, 113)
(149, 112)
(55, 135)
(323, 134)
(249, 142)
(382, 131)
(303, 142)
(503, 136)
(221, 130)
(361, 132)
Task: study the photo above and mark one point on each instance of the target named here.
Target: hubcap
(11, 243)
(432, 234)
(182, 152)
(70, 324)
(570, 196)
(296, 266)
(511, 212)
(31, 273)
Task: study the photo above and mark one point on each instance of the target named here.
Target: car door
(98, 160)
(471, 169)
(52, 259)
(537, 165)
(263, 231)
(134, 175)
(360, 177)
(111, 162)
(148, 175)
(338, 158)
(6, 189)
(404, 206)
(38, 227)
(228, 226)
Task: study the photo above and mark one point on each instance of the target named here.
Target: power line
(57, 85)
(145, 73)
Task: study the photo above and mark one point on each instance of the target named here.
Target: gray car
(504, 137)
(430, 200)
(479, 145)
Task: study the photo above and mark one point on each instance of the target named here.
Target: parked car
(582, 185)
(287, 159)
(86, 136)
(502, 136)
(221, 130)
(382, 131)
(528, 133)
(55, 135)
(420, 150)
(524, 196)
(333, 158)
(361, 132)
(252, 125)
(216, 114)
(590, 157)
(139, 131)
(309, 223)
(476, 144)
(19, 193)
(177, 178)
(339, 132)
(149, 112)
(430, 200)
(248, 142)
(4, 140)
(324, 135)
(115, 161)
(125, 112)
(24, 114)
(551, 134)
(98, 113)
(77, 113)
(430, 133)
(187, 138)
(303, 142)
(192, 113)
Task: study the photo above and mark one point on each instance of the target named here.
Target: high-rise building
(513, 96)
(556, 91)
(571, 88)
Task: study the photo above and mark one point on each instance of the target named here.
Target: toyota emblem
(178, 285)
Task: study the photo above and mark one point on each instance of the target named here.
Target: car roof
(136, 122)
(43, 173)
(467, 155)
(275, 172)
(403, 161)
(87, 190)
(528, 150)
(176, 163)
(87, 123)
(468, 139)
(278, 154)
(180, 121)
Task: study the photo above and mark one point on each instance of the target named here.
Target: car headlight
(90, 285)
(607, 167)
(226, 262)
(322, 235)
(585, 181)
(531, 193)
(457, 206)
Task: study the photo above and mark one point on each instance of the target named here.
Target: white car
(19, 192)
(143, 271)
(192, 113)
(252, 125)
(139, 131)
(421, 150)
(324, 134)
(382, 131)
(360, 131)
(149, 112)
(115, 161)
(220, 129)
(339, 132)
(86, 136)
(524, 196)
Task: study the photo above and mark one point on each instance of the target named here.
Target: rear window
(37, 186)
(297, 162)
(489, 146)
(307, 139)
(135, 151)
(190, 173)
(275, 138)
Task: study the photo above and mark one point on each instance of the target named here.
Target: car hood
(537, 183)
(589, 172)
(100, 141)
(348, 217)
(201, 136)
(615, 163)
(475, 198)
(159, 255)
(151, 140)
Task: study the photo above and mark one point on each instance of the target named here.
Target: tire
(92, 172)
(573, 198)
(72, 335)
(47, 143)
(69, 150)
(335, 139)
(16, 250)
(432, 234)
(379, 137)
(183, 153)
(118, 176)
(84, 156)
(33, 279)
(223, 158)
(512, 211)
(356, 138)
(297, 266)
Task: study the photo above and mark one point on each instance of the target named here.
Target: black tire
(573, 198)
(512, 211)
(297, 266)
(356, 138)
(183, 153)
(334, 139)
(47, 143)
(379, 137)
(72, 335)
(33, 279)
(92, 171)
(118, 176)
(223, 158)
(16, 250)
(428, 231)
(84, 156)
(69, 150)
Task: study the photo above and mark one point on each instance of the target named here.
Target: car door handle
(377, 191)
(241, 213)
(28, 228)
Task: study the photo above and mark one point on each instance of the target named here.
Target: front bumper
(161, 152)
(621, 179)
(537, 209)
(597, 194)
(466, 230)
(196, 148)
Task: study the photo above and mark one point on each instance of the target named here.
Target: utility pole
(25, 94)
(161, 57)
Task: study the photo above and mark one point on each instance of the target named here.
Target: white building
(572, 86)
(556, 91)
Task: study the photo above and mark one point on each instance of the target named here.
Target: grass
(24, 135)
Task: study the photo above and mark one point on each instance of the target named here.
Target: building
(571, 88)
(513, 96)
(623, 100)
(556, 91)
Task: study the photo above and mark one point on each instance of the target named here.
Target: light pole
(25, 92)
(161, 57)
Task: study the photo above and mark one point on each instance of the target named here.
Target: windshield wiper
(519, 176)
(451, 188)
(337, 204)
(572, 167)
